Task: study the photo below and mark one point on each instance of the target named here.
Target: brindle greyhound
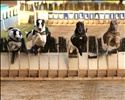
(112, 37)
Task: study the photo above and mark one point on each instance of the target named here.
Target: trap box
(71, 55)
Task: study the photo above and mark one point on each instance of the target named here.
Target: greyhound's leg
(34, 49)
(117, 41)
(23, 46)
(80, 50)
(6, 45)
(70, 49)
(108, 43)
(13, 57)
(100, 47)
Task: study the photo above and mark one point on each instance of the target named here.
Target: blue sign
(107, 16)
(117, 16)
(112, 16)
(76, 16)
(61, 16)
(122, 16)
(92, 15)
(81, 15)
(86, 16)
(102, 16)
(50, 15)
(71, 16)
(65, 15)
(97, 16)
(55, 16)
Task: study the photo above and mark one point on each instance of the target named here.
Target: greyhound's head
(40, 25)
(113, 25)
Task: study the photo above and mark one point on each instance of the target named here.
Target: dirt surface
(93, 30)
(66, 90)
(63, 90)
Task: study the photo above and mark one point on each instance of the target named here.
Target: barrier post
(58, 61)
(9, 62)
(39, 63)
(117, 64)
(48, 63)
(28, 65)
(97, 73)
(19, 61)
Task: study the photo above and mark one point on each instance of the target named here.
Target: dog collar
(115, 33)
(11, 39)
(79, 35)
(41, 33)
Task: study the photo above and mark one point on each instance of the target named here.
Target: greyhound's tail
(9, 29)
(26, 32)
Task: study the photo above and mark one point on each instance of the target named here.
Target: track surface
(63, 90)
(66, 90)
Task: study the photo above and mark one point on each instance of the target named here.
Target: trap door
(121, 64)
(83, 65)
(4, 64)
(112, 65)
(92, 67)
(24, 65)
(53, 64)
(102, 66)
(43, 65)
(121, 58)
(63, 64)
(62, 49)
(14, 68)
(73, 66)
(33, 65)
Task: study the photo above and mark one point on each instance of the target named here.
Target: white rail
(10, 12)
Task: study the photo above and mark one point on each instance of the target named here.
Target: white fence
(10, 16)
(10, 12)
(60, 65)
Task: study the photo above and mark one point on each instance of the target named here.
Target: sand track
(63, 90)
